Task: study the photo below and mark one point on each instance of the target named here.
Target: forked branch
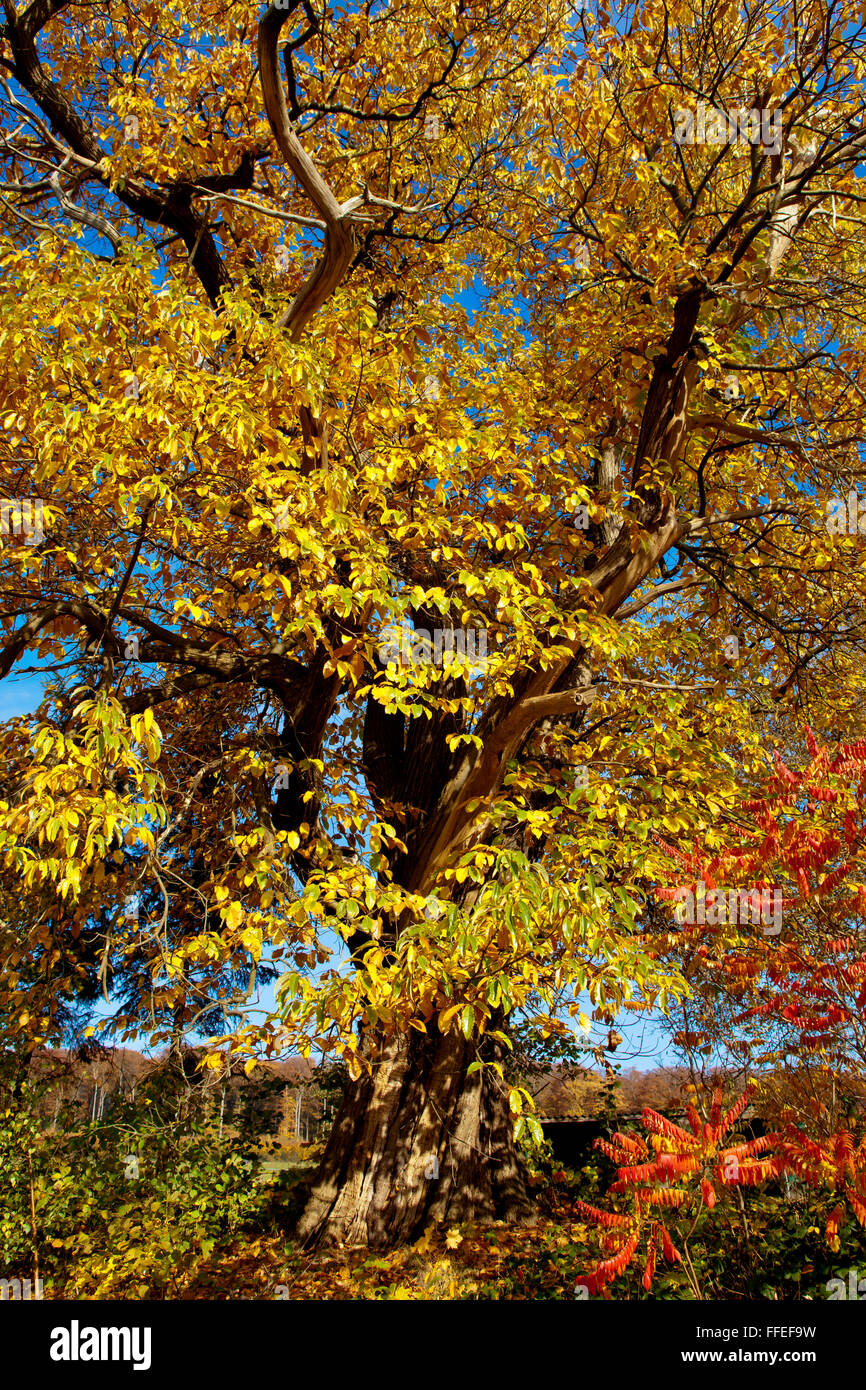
(339, 241)
(337, 219)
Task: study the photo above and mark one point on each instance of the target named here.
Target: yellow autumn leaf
(233, 915)
(252, 939)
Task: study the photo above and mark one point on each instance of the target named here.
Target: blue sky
(19, 694)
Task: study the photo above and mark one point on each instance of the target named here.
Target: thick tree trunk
(417, 1141)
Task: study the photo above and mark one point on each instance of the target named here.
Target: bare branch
(658, 592)
(339, 241)
(88, 219)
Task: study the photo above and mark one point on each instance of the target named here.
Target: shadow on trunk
(418, 1140)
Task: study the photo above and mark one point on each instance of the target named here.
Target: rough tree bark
(415, 1141)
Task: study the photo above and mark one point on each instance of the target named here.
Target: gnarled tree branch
(339, 241)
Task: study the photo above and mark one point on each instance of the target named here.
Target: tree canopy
(433, 453)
